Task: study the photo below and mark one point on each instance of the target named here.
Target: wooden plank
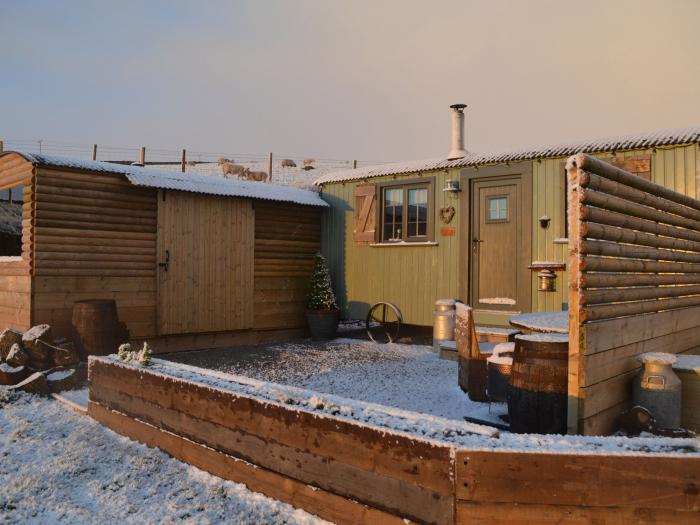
(412, 460)
(616, 295)
(614, 249)
(471, 513)
(327, 472)
(312, 499)
(591, 480)
(592, 230)
(604, 280)
(599, 312)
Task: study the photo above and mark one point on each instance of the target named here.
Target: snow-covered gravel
(411, 377)
(60, 467)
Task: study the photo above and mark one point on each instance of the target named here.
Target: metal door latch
(165, 264)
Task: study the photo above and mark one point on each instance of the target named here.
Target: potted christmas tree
(321, 308)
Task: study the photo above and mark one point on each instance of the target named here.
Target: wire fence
(126, 154)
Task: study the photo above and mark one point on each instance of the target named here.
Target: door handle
(476, 241)
(165, 264)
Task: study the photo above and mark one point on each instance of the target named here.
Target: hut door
(500, 279)
(205, 263)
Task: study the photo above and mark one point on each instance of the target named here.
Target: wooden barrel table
(538, 397)
(96, 327)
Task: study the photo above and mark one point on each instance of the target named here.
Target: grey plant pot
(323, 324)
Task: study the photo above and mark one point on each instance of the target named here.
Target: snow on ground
(296, 177)
(60, 467)
(410, 377)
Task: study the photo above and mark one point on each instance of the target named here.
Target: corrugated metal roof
(651, 139)
(175, 180)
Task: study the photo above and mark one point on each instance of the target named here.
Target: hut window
(406, 211)
(11, 222)
(498, 209)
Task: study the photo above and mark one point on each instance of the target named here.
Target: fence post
(269, 168)
(354, 164)
(143, 155)
(94, 152)
(2, 146)
(183, 161)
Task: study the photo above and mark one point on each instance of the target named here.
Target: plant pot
(323, 324)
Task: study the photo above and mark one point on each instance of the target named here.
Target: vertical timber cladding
(286, 238)
(205, 270)
(94, 238)
(411, 276)
(15, 278)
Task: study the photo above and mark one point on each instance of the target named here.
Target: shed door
(205, 255)
(500, 278)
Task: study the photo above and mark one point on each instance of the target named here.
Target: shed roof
(651, 139)
(175, 180)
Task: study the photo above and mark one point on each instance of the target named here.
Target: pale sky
(357, 79)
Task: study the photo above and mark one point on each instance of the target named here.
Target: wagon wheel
(383, 323)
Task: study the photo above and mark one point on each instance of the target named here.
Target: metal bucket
(658, 389)
(499, 367)
(444, 322)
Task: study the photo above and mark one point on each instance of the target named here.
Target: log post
(183, 161)
(354, 164)
(94, 152)
(142, 159)
(269, 167)
(2, 146)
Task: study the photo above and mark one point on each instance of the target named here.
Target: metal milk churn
(658, 389)
(444, 322)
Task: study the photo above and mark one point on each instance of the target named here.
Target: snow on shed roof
(175, 180)
(665, 137)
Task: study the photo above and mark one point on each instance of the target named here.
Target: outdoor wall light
(544, 222)
(452, 186)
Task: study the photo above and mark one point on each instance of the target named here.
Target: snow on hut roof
(649, 139)
(175, 180)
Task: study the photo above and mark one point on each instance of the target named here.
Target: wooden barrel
(96, 328)
(538, 397)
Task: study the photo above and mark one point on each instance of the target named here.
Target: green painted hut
(470, 226)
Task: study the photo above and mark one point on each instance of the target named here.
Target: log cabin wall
(634, 261)
(15, 278)
(95, 237)
(286, 238)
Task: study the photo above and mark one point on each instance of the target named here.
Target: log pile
(35, 362)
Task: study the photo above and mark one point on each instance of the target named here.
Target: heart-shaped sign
(447, 214)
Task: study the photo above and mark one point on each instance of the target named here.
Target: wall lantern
(544, 222)
(546, 278)
(452, 186)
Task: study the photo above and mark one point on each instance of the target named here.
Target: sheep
(309, 162)
(228, 168)
(288, 163)
(259, 176)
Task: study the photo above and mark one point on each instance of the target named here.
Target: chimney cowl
(457, 150)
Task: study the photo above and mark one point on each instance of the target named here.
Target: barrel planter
(538, 396)
(96, 329)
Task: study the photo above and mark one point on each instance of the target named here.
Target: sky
(360, 79)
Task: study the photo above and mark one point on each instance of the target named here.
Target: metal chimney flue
(457, 151)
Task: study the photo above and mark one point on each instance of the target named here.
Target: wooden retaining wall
(634, 261)
(351, 473)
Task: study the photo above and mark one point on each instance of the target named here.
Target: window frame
(418, 183)
(490, 198)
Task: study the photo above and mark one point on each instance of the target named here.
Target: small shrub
(142, 357)
(320, 295)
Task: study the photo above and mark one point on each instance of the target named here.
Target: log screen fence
(634, 258)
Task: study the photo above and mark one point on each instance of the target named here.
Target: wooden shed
(394, 233)
(192, 261)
